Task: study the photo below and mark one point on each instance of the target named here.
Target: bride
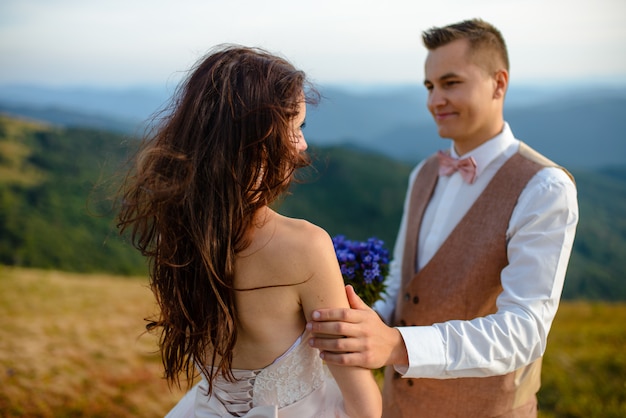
(234, 280)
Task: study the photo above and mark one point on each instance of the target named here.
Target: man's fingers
(340, 314)
(340, 345)
(355, 301)
(336, 329)
(344, 359)
(353, 315)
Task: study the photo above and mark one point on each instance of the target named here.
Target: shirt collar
(487, 152)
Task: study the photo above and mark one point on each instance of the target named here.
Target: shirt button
(416, 300)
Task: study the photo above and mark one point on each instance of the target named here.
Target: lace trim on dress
(296, 375)
(292, 376)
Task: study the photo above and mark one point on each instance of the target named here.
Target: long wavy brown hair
(223, 150)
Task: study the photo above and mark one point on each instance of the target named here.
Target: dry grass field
(73, 346)
(584, 368)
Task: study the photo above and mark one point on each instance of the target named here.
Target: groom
(480, 256)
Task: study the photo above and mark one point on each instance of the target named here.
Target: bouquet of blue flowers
(364, 265)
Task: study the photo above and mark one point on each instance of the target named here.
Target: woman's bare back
(289, 270)
(269, 276)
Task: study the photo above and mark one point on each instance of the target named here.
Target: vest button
(409, 382)
(407, 297)
(416, 300)
(402, 323)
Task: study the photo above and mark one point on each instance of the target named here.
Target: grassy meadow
(72, 345)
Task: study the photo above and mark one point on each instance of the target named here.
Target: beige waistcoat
(462, 281)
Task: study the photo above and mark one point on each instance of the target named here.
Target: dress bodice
(291, 377)
(295, 385)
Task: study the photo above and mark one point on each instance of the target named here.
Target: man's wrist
(399, 354)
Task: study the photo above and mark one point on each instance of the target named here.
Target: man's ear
(501, 81)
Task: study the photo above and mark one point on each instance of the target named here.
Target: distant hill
(55, 198)
(69, 118)
(56, 186)
(133, 104)
(572, 127)
(577, 126)
(579, 132)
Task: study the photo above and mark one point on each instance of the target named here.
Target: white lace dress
(295, 385)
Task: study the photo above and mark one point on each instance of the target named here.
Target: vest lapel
(422, 191)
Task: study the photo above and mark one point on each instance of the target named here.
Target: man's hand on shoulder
(356, 336)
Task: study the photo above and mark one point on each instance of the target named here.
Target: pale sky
(121, 43)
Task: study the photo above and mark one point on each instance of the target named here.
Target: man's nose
(436, 98)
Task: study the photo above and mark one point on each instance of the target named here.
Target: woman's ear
(501, 80)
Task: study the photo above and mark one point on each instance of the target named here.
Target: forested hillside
(55, 190)
(57, 186)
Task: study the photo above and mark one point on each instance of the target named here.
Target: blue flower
(364, 265)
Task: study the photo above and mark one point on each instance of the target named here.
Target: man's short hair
(484, 39)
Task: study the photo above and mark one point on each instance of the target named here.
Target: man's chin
(445, 133)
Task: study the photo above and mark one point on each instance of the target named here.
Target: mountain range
(55, 180)
(580, 126)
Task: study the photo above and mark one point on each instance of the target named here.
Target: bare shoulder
(311, 249)
(301, 238)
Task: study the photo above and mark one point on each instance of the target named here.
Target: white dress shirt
(540, 235)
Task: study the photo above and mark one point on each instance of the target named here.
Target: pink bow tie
(449, 165)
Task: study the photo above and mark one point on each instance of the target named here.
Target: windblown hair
(223, 151)
(482, 37)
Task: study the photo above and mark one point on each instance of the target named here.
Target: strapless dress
(296, 385)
